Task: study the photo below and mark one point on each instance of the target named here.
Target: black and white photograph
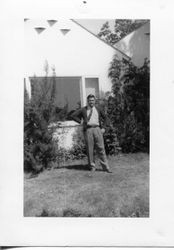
(86, 117)
(86, 110)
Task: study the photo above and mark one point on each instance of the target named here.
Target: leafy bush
(128, 108)
(111, 142)
(39, 148)
(77, 152)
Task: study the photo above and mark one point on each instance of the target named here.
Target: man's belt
(92, 126)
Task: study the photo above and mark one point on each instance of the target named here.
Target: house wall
(76, 53)
(137, 44)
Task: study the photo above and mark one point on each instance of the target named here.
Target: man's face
(91, 102)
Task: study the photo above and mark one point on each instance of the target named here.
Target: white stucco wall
(78, 53)
(137, 44)
(66, 134)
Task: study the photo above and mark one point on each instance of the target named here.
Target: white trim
(28, 86)
(83, 91)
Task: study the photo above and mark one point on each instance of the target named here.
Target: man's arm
(76, 116)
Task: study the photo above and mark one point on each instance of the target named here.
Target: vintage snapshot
(87, 133)
(86, 118)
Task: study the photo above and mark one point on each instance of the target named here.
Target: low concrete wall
(66, 133)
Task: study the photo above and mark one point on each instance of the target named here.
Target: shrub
(112, 146)
(39, 148)
(128, 107)
(77, 152)
(111, 142)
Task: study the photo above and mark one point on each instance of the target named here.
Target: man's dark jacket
(82, 114)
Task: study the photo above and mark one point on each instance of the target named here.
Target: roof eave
(126, 56)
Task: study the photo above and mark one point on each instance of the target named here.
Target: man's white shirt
(94, 120)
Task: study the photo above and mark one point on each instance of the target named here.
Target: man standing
(93, 132)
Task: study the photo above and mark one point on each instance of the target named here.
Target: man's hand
(102, 130)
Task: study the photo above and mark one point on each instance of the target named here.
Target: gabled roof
(126, 56)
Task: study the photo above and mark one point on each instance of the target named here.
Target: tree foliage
(128, 108)
(39, 111)
(122, 27)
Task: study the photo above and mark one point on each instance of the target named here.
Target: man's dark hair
(90, 96)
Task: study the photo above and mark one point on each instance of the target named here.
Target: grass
(73, 191)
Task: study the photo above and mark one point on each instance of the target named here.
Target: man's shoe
(92, 169)
(108, 171)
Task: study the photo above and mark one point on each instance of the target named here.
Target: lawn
(74, 191)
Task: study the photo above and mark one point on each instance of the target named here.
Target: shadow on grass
(74, 213)
(81, 167)
(123, 212)
(77, 167)
(66, 213)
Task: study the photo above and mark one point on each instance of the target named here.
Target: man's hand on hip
(102, 130)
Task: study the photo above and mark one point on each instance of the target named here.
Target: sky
(94, 25)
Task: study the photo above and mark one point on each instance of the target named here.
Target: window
(92, 86)
(66, 90)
